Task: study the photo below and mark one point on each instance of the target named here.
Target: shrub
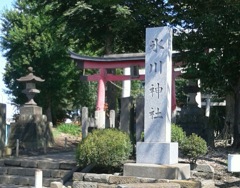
(69, 129)
(194, 147)
(106, 148)
(178, 135)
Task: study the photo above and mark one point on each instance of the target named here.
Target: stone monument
(157, 147)
(31, 128)
(192, 118)
(157, 156)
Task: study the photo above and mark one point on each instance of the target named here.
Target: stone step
(17, 186)
(20, 171)
(41, 164)
(154, 185)
(25, 180)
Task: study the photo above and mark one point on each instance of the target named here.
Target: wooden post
(65, 144)
(17, 148)
(45, 145)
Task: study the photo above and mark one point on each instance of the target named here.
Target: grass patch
(67, 128)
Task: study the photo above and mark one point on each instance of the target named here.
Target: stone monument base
(157, 153)
(31, 110)
(32, 131)
(176, 171)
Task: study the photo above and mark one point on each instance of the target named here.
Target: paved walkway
(56, 157)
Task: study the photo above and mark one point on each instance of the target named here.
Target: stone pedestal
(157, 153)
(32, 131)
(30, 110)
(175, 171)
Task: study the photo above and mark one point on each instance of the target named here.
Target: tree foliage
(208, 37)
(27, 40)
(109, 26)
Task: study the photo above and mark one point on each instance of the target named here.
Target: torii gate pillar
(100, 114)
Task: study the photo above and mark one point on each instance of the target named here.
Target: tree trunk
(236, 129)
(111, 93)
(111, 89)
(49, 114)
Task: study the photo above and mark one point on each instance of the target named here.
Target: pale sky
(4, 4)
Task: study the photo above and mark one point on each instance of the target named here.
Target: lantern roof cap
(30, 77)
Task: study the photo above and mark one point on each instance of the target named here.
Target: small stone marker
(125, 116)
(112, 117)
(84, 122)
(157, 147)
(139, 118)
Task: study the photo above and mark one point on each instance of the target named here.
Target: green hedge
(178, 135)
(192, 146)
(106, 148)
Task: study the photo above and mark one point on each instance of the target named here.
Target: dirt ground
(65, 142)
(217, 158)
(62, 142)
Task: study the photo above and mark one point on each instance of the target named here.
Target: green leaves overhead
(80, 6)
(111, 26)
(28, 40)
(210, 34)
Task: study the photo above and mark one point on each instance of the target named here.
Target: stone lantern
(30, 107)
(31, 128)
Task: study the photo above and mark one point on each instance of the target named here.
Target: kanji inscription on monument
(157, 147)
(158, 80)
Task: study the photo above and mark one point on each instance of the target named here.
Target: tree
(208, 36)
(27, 40)
(107, 26)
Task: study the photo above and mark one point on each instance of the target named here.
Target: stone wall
(115, 181)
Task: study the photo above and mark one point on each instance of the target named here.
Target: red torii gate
(135, 61)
